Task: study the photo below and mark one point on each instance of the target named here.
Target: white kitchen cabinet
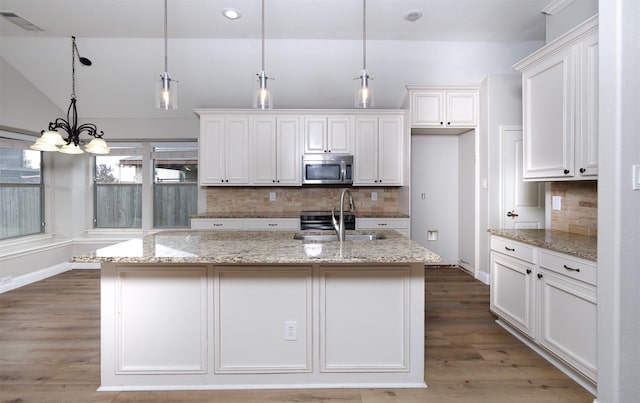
(444, 108)
(275, 151)
(331, 134)
(551, 298)
(560, 107)
(568, 317)
(398, 224)
(379, 151)
(224, 151)
(512, 284)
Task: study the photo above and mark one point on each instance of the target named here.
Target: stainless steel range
(321, 220)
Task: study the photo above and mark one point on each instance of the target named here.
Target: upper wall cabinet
(443, 107)
(560, 107)
(328, 134)
(274, 147)
(224, 151)
(379, 151)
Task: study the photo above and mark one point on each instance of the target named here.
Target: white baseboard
(26, 279)
(484, 277)
(144, 388)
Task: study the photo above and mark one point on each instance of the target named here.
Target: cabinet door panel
(287, 152)
(568, 322)
(339, 135)
(366, 157)
(511, 292)
(237, 150)
(548, 118)
(588, 133)
(315, 135)
(461, 109)
(264, 150)
(428, 109)
(212, 152)
(390, 151)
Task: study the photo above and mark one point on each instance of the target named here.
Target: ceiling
(313, 48)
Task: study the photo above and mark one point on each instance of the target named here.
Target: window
(175, 185)
(21, 189)
(118, 188)
(146, 185)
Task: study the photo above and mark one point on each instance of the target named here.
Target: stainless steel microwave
(327, 169)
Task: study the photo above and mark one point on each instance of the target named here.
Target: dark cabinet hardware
(511, 214)
(582, 170)
(509, 249)
(540, 275)
(566, 172)
(570, 268)
(528, 271)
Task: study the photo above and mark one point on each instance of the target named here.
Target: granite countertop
(259, 247)
(582, 246)
(293, 214)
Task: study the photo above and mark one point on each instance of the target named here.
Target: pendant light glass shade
(97, 146)
(71, 149)
(363, 94)
(166, 92)
(166, 88)
(262, 99)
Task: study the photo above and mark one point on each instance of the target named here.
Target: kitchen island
(260, 309)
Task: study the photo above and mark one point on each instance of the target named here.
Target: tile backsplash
(296, 199)
(579, 212)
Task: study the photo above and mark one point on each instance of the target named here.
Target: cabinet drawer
(512, 248)
(382, 223)
(217, 223)
(575, 268)
(259, 224)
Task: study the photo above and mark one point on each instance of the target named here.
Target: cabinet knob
(448, 123)
(273, 181)
(566, 172)
(528, 271)
(582, 170)
(222, 180)
(540, 275)
(441, 123)
(227, 180)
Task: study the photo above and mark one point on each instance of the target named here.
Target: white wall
(435, 172)
(618, 204)
(22, 105)
(500, 104)
(569, 17)
(467, 200)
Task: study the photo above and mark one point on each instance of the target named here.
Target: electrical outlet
(556, 202)
(374, 196)
(290, 330)
(432, 235)
(636, 177)
(272, 196)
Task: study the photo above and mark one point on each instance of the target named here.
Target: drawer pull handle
(382, 224)
(509, 249)
(570, 268)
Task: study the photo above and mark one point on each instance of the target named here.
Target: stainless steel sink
(333, 237)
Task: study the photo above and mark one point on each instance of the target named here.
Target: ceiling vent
(19, 21)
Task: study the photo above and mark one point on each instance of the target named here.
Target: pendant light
(262, 99)
(363, 92)
(166, 88)
(51, 139)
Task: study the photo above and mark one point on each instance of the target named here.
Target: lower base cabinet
(398, 224)
(550, 298)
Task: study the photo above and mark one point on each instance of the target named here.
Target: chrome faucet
(338, 225)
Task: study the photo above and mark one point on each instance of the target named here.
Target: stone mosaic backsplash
(579, 213)
(296, 199)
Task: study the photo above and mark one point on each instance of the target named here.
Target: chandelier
(51, 138)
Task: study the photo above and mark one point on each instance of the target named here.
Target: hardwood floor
(50, 352)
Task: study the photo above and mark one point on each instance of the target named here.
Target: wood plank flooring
(50, 352)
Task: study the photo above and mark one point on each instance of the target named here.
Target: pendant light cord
(165, 38)
(364, 34)
(262, 35)
(74, 49)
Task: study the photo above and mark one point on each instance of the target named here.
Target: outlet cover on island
(374, 196)
(556, 202)
(432, 235)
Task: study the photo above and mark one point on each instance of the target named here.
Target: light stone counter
(260, 247)
(582, 246)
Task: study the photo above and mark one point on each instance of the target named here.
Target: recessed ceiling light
(231, 13)
(413, 15)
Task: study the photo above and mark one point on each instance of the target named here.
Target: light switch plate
(636, 177)
(272, 196)
(556, 202)
(374, 196)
